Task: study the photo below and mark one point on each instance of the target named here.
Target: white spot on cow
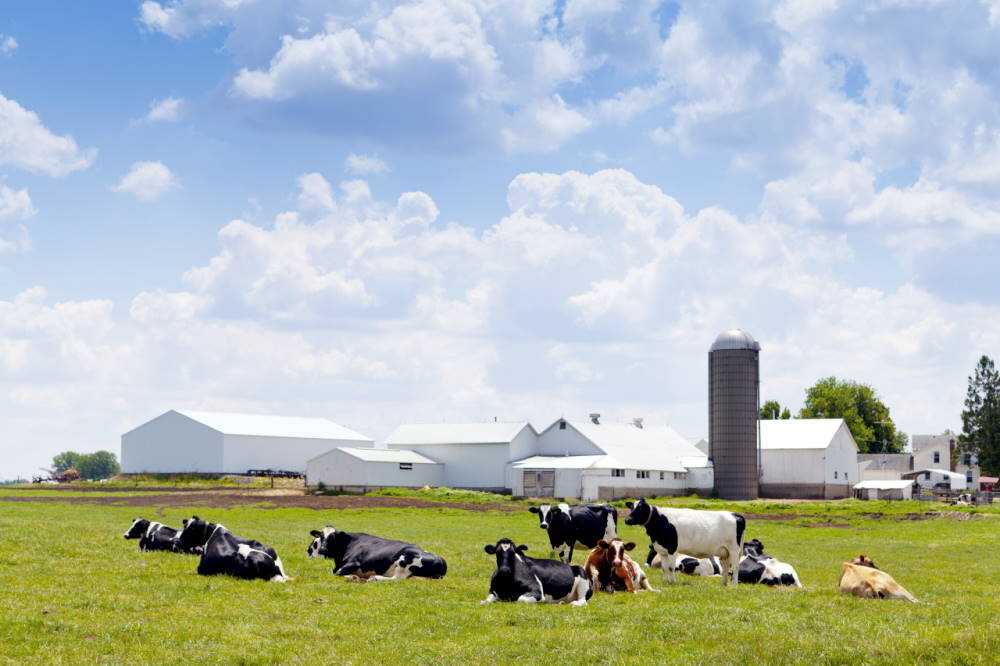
(564, 508)
(244, 550)
(131, 527)
(490, 598)
(544, 512)
(610, 532)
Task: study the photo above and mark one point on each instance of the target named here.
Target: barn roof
(386, 455)
(596, 462)
(883, 484)
(415, 434)
(269, 425)
(798, 433)
(627, 446)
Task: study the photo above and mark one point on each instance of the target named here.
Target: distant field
(73, 591)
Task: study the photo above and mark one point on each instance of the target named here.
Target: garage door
(539, 483)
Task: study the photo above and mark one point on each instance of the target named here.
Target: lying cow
(697, 533)
(576, 526)
(863, 579)
(530, 580)
(225, 553)
(692, 566)
(153, 535)
(756, 566)
(362, 557)
(610, 569)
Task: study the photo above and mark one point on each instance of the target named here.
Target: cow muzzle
(544, 526)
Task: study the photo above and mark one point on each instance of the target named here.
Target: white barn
(593, 461)
(182, 441)
(807, 458)
(474, 455)
(364, 469)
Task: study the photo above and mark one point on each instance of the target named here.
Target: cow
(576, 526)
(530, 580)
(756, 566)
(611, 569)
(692, 566)
(697, 533)
(863, 579)
(225, 553)
(362, 557)
(153, 536)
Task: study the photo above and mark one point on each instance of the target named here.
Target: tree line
(90, 466)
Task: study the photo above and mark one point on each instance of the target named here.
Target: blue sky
(388, 212)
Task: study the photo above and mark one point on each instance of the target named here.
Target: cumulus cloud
(27, 144)
(363, 165)
(7, 44)
(165, 110)
(147, 181)
(15, 205)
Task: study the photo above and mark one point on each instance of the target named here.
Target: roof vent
(637, 422)
(595, 418)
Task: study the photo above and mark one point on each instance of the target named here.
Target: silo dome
(735, 338)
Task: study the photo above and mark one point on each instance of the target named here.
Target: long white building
(807, 458)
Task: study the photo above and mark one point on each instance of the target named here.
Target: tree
(65, 460)
(859, 405)
(772, 410)
(981, 417)
(99, 465)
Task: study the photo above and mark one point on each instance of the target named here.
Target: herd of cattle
(693, 542)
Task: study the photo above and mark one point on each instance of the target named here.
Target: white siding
(337, 468)
(524, 445)
(243, 452)
(842, 457)
(556, 442)
(467, 465)
(799, 466)
(594, 479)
(171, 444)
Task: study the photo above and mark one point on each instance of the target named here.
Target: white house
(929, 478)
(223, 443)
(474, 455)
(884, 466)
(807, 458)
(365, 469)
(592, 461)
(932, 451)
(891, 489)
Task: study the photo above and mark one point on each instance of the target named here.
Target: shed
(183, 441)
(987, 483)
(936, 478)
(886, 489)
(807, 458)
(364, 469)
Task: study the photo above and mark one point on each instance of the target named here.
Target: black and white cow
(530, 580)
(576, 526)
(697, 533)
(692, 566)
(363, 557)
(226, 553)
(756, 566)
(153, 535)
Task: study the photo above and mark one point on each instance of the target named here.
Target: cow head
(864, 561)
(753, 548)
(137, 530)
(614, 550)
(545, 514)
(322, 544)
(640, 514)
(194, 534)
(507, 552)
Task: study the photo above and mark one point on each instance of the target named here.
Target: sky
(459, 210)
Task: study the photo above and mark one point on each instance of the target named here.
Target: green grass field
(73, 591)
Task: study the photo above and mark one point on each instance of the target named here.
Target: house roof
(415, 434)
(386, 455)
(268, 425)
(798, 433)
(988, 479)
(887, 484)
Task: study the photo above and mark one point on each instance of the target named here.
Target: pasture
(72, 590)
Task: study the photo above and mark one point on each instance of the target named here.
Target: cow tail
(741, 525)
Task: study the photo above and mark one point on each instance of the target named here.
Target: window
(835, 474)
(967, 459)
(937, 456)
(845, 476)
(641, 474)
(678, 475)
(405, 465)
(927, 476)
(562, 425)
(661, 476)
(617, 472)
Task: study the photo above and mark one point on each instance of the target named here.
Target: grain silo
(733, 410)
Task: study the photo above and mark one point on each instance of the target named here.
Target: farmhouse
(364, 469)
(807, 458)
(182, 441)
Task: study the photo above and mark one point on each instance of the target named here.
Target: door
(539, 483)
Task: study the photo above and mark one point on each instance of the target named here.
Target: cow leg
(667, 562)
(490, 598)
(347, 568)
(625, 575)
(579, 594)
(528, 598)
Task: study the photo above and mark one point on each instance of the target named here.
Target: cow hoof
(579, 602)
(351, 578)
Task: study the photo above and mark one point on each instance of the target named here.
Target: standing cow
(225, 553)
(362, 557)
(530, 580)
(697, 533)
(576, 526)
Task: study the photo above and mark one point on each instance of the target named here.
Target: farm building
(474, 455)
(884, 466)
(884, 489)
(592, 461)
(182, 441)
(365, 469)
(938, 478)
(807, 458)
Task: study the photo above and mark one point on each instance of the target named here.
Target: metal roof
(948, 474)
(386, 455)
(597, 462)
(268, 425)
(629, 447)
(415, 434)
(887, 484)
(798, 433)
(735, 338)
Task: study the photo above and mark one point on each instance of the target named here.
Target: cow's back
(699, 533)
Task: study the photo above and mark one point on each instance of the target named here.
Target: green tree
(772, 410)
(981, 417)
(859, 405)
(65, 460)
(99, 465)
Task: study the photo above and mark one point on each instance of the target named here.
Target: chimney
(595, 418)
(637, 422)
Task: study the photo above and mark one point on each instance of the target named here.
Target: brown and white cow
(611, 569)
(863, 579)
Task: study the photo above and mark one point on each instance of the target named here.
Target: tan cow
(863, 579)
(610, 568)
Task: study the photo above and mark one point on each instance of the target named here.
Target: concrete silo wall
(733, 376)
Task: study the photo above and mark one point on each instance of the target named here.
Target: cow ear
(522, 548)
(533, 509)
(184, 522)
(630, 545)
(603, 544)
(315, 533)
(490, 548)
(195, 518)
(629, 505)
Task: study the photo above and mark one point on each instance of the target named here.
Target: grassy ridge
(77, 595)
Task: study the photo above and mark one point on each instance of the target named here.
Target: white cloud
(7, 44)
(363, 165)
(27, 144)
(147, 181)
(165, 110)
(14, 205)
